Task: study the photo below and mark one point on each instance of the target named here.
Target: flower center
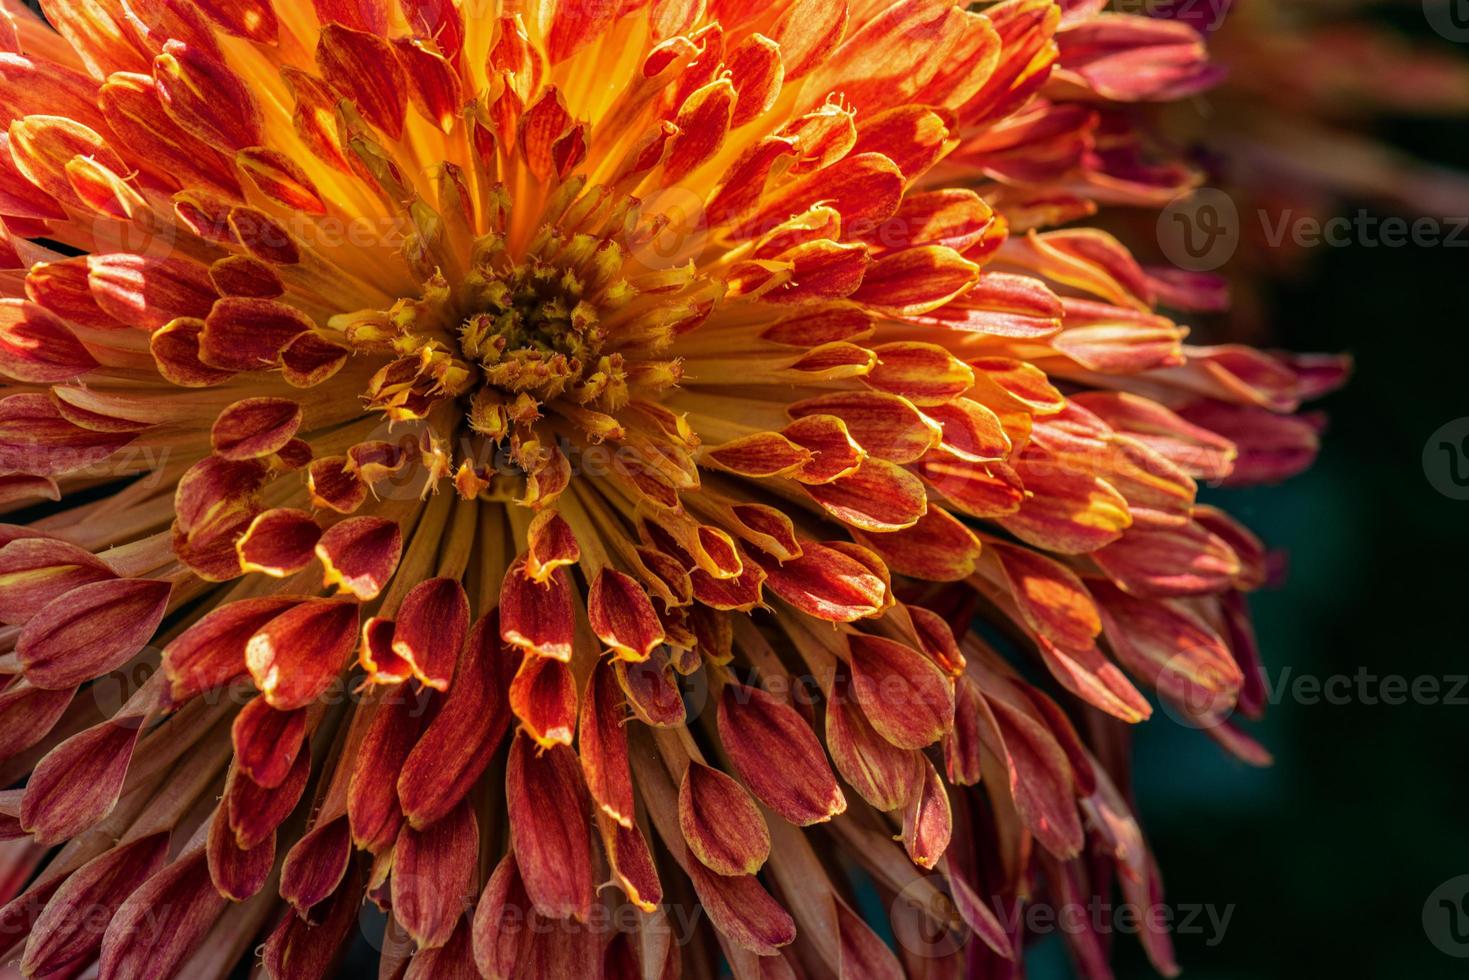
(534, 330)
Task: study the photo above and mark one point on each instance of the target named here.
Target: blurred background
(1326, 860)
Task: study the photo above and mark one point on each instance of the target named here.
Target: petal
(460, 741)
(267, 741)
(301, 947)
(243, 334)
(296, 656)
(211, 653)
(34, 571)
(432, 624)
(928, 820)
(180, 902)
(238, 873)
(537, 618)
(360, 555)
(256, 811)
(549, 828)
(434, 873)
(827, 584)
(375, 813)
(720, 822)
(206, 98)
(90, 630)
(778, 756)
(279, 542)
(543, 697)
(880, 497)
(255, 427)
(882, 774)
(905, 696)
(602, 745)
(939, 548)
(363, 68)
(622, 615)
(38, 348)
(78, 782)
(69, 929)
(740, 908)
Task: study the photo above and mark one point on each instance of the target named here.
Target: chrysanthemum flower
(534, 468)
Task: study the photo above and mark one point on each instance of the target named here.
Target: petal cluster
(537, 470)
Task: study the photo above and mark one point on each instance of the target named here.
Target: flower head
(566, 445)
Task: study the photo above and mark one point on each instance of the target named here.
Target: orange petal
(543, 697)
(206, 98)
(243, 334)
(296, 656)
(37, 347)
(34, 571)
(622, 616)
(69, 929)
(925, 374)
(90, 630)
(459, 742)
(255, 427)
(537, 618)
(905, 696)
(720, 823)
(882, 774)
(267, 742)
(827, 584)
(549, 829)
(778, 757)
(928, 821)
(78, 783)
(181, 901)
(279, 542)
(362, 67)
(939, 548)
(373, 808)
(211, 653)
(740, 908)
(602, 746)
(879, 497)
(434, 872)
(360, 555)
(432, 623)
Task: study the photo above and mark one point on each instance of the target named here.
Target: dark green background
(1330, 855)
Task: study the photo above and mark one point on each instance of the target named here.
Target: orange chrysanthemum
(559, 444)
